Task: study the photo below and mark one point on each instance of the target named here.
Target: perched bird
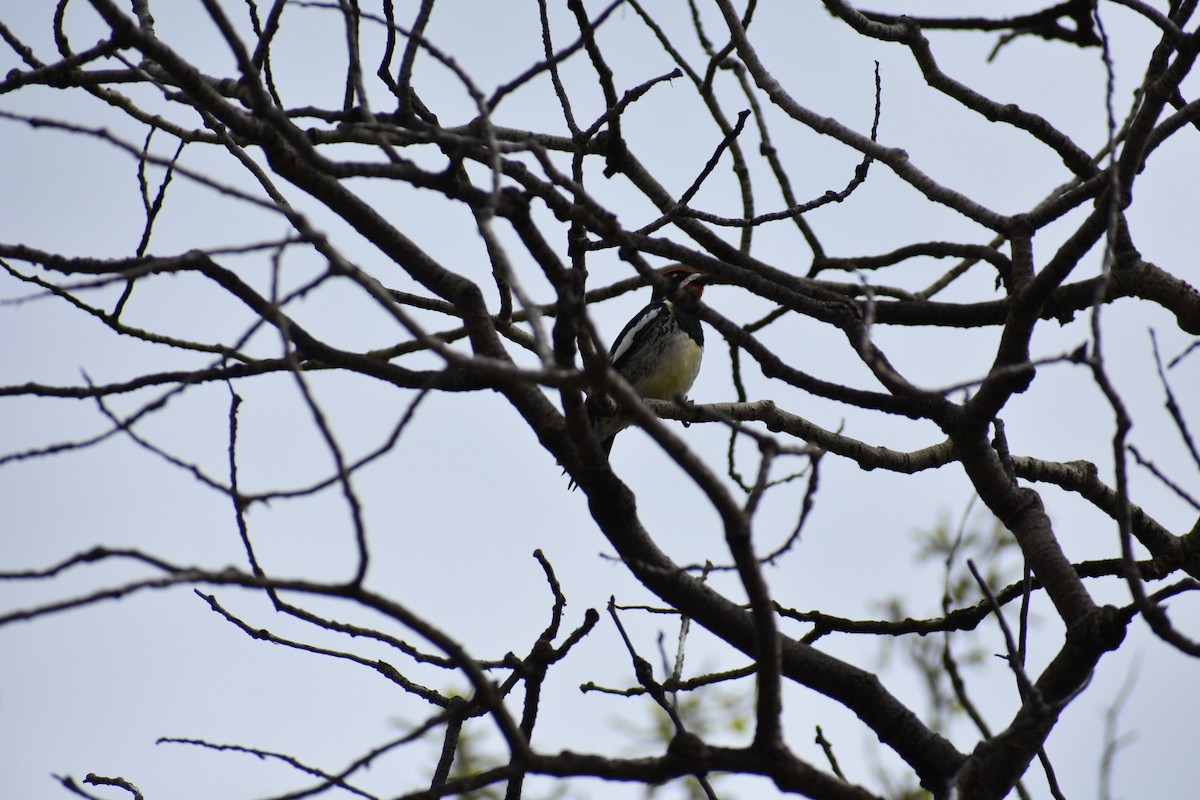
(658, 352)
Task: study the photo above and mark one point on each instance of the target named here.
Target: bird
(658, 352)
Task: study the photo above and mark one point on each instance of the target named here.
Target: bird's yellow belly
(677, 376)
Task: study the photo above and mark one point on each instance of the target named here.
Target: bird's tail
(606, 424)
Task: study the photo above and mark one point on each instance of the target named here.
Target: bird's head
(683, 278)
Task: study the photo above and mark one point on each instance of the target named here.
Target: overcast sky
(467, 495)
